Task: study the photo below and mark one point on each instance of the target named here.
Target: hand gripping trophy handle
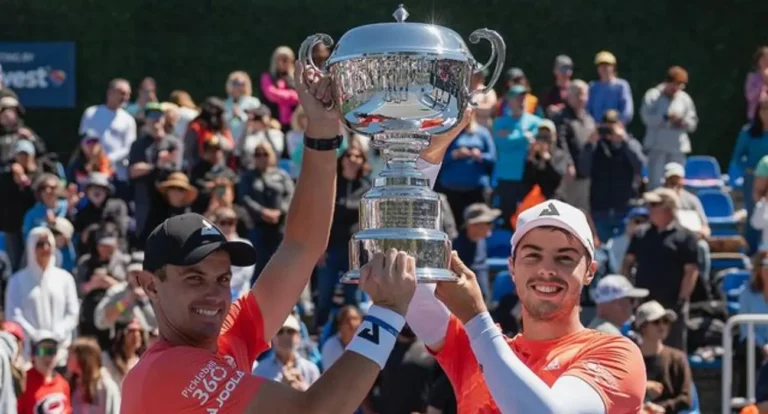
(305, 55)
(498, 51)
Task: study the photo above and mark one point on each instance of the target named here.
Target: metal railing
(727, 379)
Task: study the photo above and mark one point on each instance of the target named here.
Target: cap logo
(549, 211)
(209, 230)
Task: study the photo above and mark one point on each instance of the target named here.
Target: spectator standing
(210, 122)
(751, 146)
(756, 84)
(127, 346)
(668, 389)
(555, 99)
(465, 177)
(295, 137)
(49, 206)
(669, 116)
(223, 197)
(63, 230)
(759, 219)
(513, 132)
(99, 206)
(471, 245)
(277, 86)
(516, 77)
(266, 194)
(88, 158)
(348, 319)
(610, 91)
(613, 161)
(753, 300)
(239, 98)
(665, 256)
(285, 364)
(351, 184)
(116, 129)
(258, 130)
(92, 389)
(13, 130)
(546, 164)
(147, 93)
(485, 101)
(45, 390)
(618, 245)
(210, 166)
(186, 113)
(615, 298)
(574, 128)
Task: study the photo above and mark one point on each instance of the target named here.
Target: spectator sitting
(63, 231)
(669, 116)
(127, 346)
(613, 161)
(546, 163)
(12, 130)
(610, 92)
(669, 376)
(285, 364)
(465, 177)
(126, 301)
(9, 348)
(177, 194)
(100, 205)
(512, 132)
(277, 86)
(615, 298)
(19, 366)
(470, 245)
(43, 297)
(16, 181)
(223, 196)
(211, 165)
(348, 319)
(88, 158)
(555, 99)
(257, 131)
(47, 188)
(91, 386)
(618, 244)
(45, 389)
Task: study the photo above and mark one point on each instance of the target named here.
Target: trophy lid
(400, 38)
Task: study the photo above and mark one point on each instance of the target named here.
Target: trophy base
(423, 275)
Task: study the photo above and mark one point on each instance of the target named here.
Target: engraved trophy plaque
(400, 83)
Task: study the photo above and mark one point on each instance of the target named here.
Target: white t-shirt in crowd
(117, 130)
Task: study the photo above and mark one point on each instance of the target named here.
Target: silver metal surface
(401, 83)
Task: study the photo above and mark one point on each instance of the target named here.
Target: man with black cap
(206, 347)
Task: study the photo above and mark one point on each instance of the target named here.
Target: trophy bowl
(401, 83)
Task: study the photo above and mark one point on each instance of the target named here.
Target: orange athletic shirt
(611, 364)
(183, 379)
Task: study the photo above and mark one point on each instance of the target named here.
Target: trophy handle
(498, 51)
(305, 54)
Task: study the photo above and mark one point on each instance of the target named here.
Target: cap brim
(637, 293)
(489, 217)
(652, 197)
(241, 254)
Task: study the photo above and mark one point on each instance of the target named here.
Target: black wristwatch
(322, 144)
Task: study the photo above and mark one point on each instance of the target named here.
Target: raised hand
(390, 280)
(463, 298)
(315, 91)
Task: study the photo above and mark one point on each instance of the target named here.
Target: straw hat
(181, 181)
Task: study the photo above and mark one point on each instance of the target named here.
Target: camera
(604, 130)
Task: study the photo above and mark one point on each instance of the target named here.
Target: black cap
(186, 239)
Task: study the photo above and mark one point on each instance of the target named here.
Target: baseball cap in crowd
(135, 265)
(666, 196)
(480, 213)
(548, 124)
(14, 329)
(186, 239)
(90, 134)
(635, 213)
(258, 112)
(517, 90)
(63, 226)
(605, 57)
(7, 102)
(554, 213)
(23, 146)
(611, 116)
(43, 335)
(612, 287)
(653, 311)
(292, 323)
(563, 62)
(673, 169)
(515, 74)
(97, 179)
(153, 110)
(107, 239)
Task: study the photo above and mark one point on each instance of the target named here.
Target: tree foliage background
(194, 44)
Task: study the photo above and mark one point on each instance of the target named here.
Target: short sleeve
(762, 167)
(187, 380)
(615, 369)
(242, 334)
(689, 249)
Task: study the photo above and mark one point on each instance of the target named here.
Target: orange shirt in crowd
(184, 379)
(611, 364)
(42, 397)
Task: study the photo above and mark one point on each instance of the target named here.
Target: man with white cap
(615, 298)
(556, 365)
(285, 364)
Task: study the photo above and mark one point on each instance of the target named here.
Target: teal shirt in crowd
(749, 150)
(512, 148)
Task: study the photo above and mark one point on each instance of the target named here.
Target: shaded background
(194, 44)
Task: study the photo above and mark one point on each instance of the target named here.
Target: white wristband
(377, 335)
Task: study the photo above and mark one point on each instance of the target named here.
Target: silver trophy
(400, 83)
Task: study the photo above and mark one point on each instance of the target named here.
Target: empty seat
(498, 243)
(503, 285)
(733, 282)
(722, 261)
(702, 171)
(718, 207)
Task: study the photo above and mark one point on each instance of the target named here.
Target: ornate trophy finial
(400, 14)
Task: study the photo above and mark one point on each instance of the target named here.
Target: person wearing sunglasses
(45, 391)
(668, 389)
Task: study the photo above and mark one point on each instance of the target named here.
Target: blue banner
(41, 73)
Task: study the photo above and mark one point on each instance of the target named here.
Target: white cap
(554, 213)
(673, 169)
(292, 323)
(653, 311)
(612, 287)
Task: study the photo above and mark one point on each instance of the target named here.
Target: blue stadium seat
(733, 282)
(503, 285)
(718, 207)
(695, 402)
(498, 243)
(286, 165)
(701, 172)
(735, 176)
(722, 261)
